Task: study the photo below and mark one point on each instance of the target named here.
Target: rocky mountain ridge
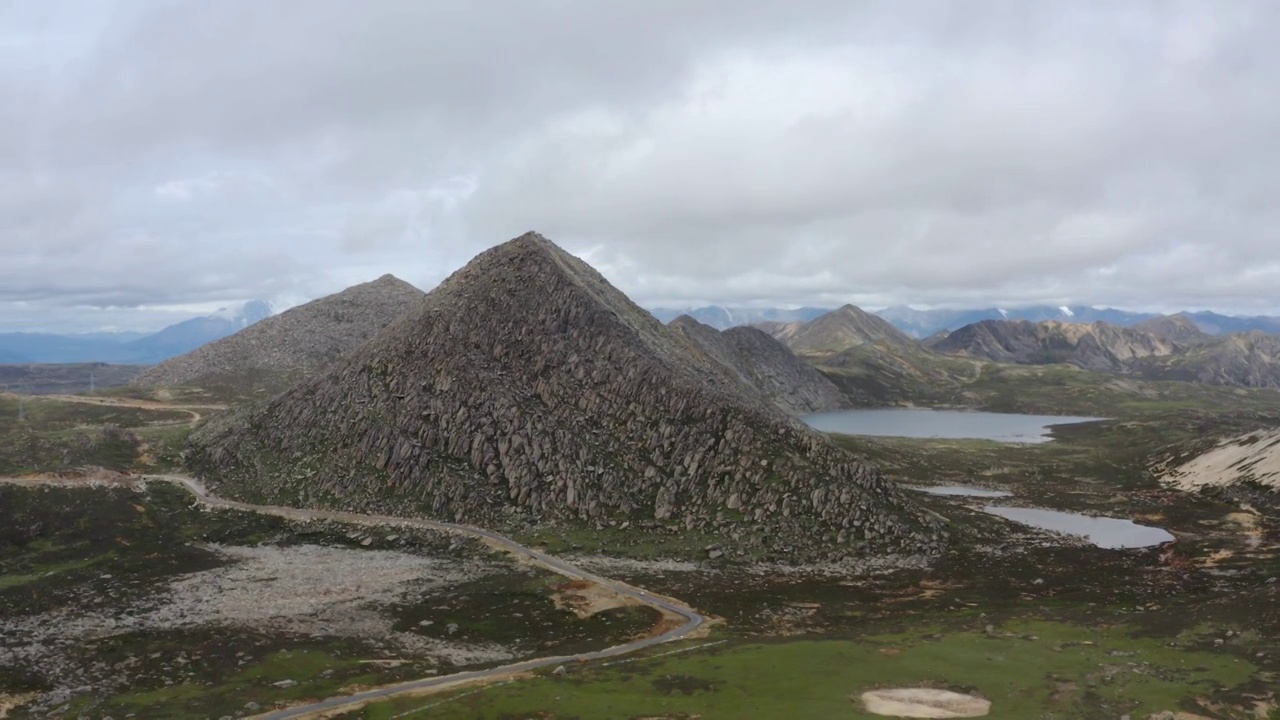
(525, 388)
(921, 324)
(1094, 346)
(294, 343)
(723, 317)
(761, 362)
(1165, 348)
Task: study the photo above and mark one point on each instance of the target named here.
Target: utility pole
(22, 408)
(90, 383)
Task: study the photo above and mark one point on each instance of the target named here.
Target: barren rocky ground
(118, 599)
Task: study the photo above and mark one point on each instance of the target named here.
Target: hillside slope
(300, 341)
(1251, 458)
(765, 364)
(527, 390)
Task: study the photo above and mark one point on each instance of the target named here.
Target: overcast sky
(163, 158)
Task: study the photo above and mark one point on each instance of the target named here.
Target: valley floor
(1042, 626)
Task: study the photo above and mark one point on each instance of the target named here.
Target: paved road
(692, 620)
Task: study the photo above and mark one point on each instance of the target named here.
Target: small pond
(944, 424)
(1104, 532)
(963, 491)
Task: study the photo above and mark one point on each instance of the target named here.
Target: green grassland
(55, 436)
(1026, 668)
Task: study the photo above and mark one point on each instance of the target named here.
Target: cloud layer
(167, 156)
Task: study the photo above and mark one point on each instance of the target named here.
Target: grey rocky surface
(526, 385)
(764, 364)
(298, 591)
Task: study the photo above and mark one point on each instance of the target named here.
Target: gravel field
(309, 591)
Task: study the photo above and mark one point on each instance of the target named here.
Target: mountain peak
(1179, 328)
(851, 309)
(527, 388)
(384, 281)
(845, 328)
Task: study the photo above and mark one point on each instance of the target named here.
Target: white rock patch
(1255, 456)
(924, 703)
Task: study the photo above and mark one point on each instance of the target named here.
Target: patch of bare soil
(585, 599)
(13, 702)
(617, 565)
(924, 703)
(76, 477)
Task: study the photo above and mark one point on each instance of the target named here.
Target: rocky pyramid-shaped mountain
(839, 330)
(527, 389)
(290, 345)
(764, 364)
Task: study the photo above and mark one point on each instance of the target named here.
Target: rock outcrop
(1250, 458)
(752, 357)
(525, 388)
(293, 344)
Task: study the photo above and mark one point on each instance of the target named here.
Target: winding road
(125, 402)
(667, 606)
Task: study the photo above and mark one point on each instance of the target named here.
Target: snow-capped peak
(1003, 313)
(1066, 311)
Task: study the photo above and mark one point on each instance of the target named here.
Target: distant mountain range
(921, 324)
(872, 361)
(1166, 348)
(131, 348)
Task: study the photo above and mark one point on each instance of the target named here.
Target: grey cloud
(779, 152)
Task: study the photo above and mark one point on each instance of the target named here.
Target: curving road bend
(693, 620)
(125, 402)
